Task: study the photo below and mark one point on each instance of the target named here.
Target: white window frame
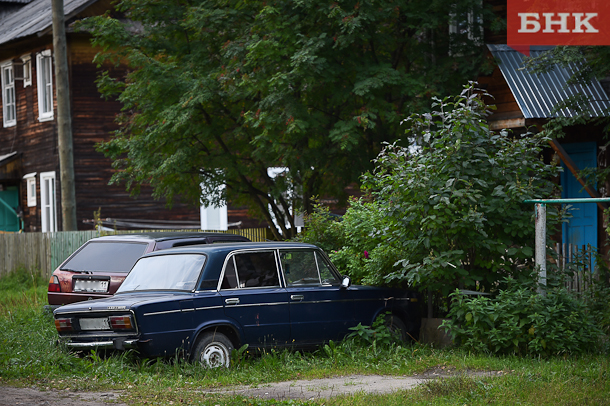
(44, 76)
(9, 104)
(48, 212)
(473, 29)
(30, 185)
(27, 70)
(214, 217)
(299, 221)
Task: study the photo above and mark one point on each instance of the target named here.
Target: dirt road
(297, 389)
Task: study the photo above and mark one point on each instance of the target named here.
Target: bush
(521, 321)
(452, 202)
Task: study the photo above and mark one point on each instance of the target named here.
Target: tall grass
(31, 355)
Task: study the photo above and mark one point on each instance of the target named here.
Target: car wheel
(213, 350)
(396, 326)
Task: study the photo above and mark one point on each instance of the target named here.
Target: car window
(111, 256)
(230, 279)
(251, 270)
(305, 267)
(300, 268)
(164, 272)
(326, 275)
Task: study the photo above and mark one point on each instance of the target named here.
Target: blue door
(8, 216)
(254, 299)
(582, 227)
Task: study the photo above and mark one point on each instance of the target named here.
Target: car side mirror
(346, 282)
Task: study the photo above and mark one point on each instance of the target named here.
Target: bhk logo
(558, 22)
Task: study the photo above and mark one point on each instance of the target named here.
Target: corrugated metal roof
(537, 94)
(35, 18)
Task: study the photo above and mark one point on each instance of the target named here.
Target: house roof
(35, 18)
(537, 94)
(4, 159)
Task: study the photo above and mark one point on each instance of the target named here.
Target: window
(30, 179)
(152, 273)
(115, 256)
(45, 85)
(47, 202)
(306, 268)
(466, 28)
(214, 217)
(289, 195)
(9, 112)
(251, 270)
(27, 70)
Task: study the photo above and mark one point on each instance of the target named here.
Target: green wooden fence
(43, 252)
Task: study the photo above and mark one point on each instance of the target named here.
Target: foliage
(29, 357)
(378, 335)
(521, 321)
(453, 208)
(322, 228)
(215, 93)
(22, 288)
(354, 244)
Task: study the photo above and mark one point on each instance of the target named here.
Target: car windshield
(106, 257)
(164, 272)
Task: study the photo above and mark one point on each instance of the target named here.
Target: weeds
(30, 355)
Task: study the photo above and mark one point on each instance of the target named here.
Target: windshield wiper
(76, 270)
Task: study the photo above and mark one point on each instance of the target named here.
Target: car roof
(163, 236)
(235, 246)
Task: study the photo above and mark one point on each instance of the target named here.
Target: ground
(298, 389)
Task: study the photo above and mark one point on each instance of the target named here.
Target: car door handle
(297, 297)
(232, 301)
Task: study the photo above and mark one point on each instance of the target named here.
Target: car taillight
(64, 324)
(54, 284)
(121, 322)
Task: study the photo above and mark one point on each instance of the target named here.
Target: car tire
(213, 350)
(396, 326)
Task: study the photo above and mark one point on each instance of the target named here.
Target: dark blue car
(204, 301)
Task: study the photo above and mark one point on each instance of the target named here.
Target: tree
(218, 92)
(454, 206)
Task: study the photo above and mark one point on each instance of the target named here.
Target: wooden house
(525, 102)
(29, 163)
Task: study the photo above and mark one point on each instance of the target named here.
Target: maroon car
(99, 266)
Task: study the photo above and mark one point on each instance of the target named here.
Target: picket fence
(43, 252)
(581, 261)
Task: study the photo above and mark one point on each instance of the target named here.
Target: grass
(31, 356)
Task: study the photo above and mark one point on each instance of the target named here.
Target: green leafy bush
(521, 321)
(452, 203)
(378, 335)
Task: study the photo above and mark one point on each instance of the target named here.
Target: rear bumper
(117, 344)
(60, 298)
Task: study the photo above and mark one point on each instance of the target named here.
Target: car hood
(125, 301)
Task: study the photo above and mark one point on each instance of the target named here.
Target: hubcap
(214, 356)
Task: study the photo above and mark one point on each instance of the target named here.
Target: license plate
(86, 285)
(94, 324)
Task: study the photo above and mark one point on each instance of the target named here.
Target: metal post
(541, 243)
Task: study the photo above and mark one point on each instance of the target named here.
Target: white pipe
(541, 243)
